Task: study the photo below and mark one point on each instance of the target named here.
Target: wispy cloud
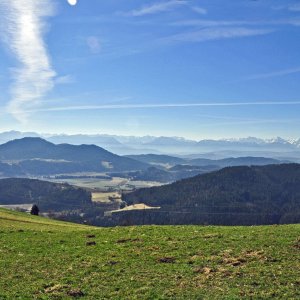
(274, 74)
(23, 27)
(294, 7)
(94, 44)
(254, 122)
(214, 33)
(66, 79)
(164, 105)
(218, 23)
(156, 8)
(199, 10)
(212, 23)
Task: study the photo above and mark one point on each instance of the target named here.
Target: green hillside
(45, 259)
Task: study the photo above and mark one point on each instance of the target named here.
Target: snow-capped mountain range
(172, 145)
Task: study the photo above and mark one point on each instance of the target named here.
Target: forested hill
(47, 195)
(272, 189)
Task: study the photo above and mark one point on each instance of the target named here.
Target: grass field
(94, 183)
(104, 196)
(115, 183)
(44, 259)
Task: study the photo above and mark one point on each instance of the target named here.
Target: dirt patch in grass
(122, 241)
(213, 236)
(296, 244)
(112, 263)
(167, 260)
(234, 261)
(245, 257)
(256, 254)
(204, 270)
(76, 293)
(90, 236)
(59, 289)
(90, 243)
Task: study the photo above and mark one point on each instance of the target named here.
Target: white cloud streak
(156, 8)
(209, 34)
(23, 28)
(274, 74)
(166, 105)
(219, 23)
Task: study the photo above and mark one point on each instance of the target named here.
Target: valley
(84, 183)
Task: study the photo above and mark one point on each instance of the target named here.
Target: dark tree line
(46, 195)
(269, 190)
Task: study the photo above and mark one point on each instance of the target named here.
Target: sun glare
(72, 2)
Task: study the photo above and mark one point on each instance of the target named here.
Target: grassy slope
(44, 259)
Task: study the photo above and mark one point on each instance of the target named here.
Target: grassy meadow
(116, 183)
(104, 197)
(45, 259)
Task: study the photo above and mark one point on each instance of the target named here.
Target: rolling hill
(47, 195)
(166, 176)
(156, 159)
(46, 259)
(237, 194)
(170, 161)
(235, 161)
(35, 156)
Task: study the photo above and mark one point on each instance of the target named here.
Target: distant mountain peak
(29, 140)
(278, 140)
(39, 155)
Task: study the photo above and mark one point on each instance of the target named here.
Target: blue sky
(198, 69)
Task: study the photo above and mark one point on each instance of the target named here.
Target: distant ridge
(127, 145)
(35, 155)
(155, 159)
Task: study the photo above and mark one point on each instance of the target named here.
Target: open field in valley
(114, 184)
(104, 197)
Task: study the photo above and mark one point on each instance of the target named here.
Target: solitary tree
(35, 210)
(123, 204)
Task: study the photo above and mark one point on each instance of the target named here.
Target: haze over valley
(177, 146)
(114, 186)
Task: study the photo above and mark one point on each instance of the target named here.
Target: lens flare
(72, 2)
